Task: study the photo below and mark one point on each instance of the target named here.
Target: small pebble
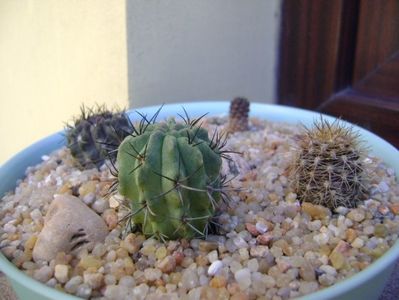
(93, 280)
(251, 229)
(43, 274)
(215, 267)
(383, 187)
(315, 211)
(168, 264)
(240, 242)
(356, 215)
(369, 230)
(152, 274)
(61, 273)
(127, 281)
(259, 251)
(218, 282)
(189, 279)
(308, 287)
(261, 227)
(328, 270)
(253, 265)
(212, 256)
(264, 239)
(72, 285)
(206, 246)
(244, 254)
(243, 278)
(114, 202)
(100, 205)
(326, 279)
(83, 291)
(9, 228)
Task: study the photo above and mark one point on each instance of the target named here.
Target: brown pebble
(233, 288)
(201, 260)
(87, 188)
(342, 247)
(111, 218)
(207, 246)
(337, 260)
(88, 261)
(285, 247)
(168, 264)
(30, 242)
(159, 283)
(317, 212)
(264, 239)
(65, 189)
(184, 243)
(383, 209)
(129, 265)
(273, 197)
(395, 208)
(179, 256)
(251, 228)
(218, 282)
(350, 235)
(210, 293)
(337, 256)
(122, 253)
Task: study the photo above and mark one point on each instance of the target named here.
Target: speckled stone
(68, 223)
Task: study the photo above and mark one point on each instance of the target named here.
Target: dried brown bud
(238, 118)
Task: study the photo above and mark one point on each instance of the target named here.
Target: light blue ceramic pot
(367, 284)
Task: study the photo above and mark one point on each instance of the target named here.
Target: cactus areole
(170, 174)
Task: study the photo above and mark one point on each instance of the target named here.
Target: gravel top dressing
(265, 245)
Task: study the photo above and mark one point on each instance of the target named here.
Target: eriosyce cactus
(328, 166)
(96, 135)
(170, 174)
(238, 115)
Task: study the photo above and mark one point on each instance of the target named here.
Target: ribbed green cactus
(170, 173)
(95, 134)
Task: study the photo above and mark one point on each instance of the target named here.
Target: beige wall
(55, 55)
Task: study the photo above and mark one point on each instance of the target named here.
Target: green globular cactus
(170, 174)
(328, 167)
(96, 135)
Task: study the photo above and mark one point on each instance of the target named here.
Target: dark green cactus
(170, 174)
(96, 135)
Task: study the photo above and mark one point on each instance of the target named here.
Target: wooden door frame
(341, 57)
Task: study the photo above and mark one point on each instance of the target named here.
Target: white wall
(201, 49)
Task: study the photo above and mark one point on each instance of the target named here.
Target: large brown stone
(69, 226)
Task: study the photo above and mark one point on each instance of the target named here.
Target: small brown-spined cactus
(238, 117)
(328, 169)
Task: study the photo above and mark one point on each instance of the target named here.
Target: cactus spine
(170, 173)
(328, 166)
